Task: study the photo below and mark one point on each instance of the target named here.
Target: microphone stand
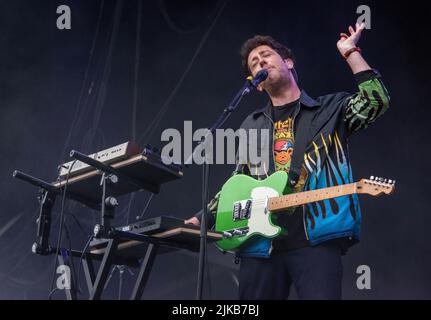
(247, 88)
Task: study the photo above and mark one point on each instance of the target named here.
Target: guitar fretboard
(300, 198)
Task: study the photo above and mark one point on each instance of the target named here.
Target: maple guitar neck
(296, 199)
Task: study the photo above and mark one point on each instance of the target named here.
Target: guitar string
(266, 200)
(262, 201)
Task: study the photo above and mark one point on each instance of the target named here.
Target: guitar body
(242, 209)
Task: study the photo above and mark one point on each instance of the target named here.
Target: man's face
(264, 57)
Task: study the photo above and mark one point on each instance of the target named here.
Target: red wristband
(348, 52)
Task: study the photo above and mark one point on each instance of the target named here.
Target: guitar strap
(303, 135)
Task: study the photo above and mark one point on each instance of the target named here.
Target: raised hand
(347, 42)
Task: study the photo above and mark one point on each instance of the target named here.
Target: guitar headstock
(376, 186)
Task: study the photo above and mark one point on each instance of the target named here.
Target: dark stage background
(85, 89)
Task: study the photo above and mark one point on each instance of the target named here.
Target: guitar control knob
(237, 232)
(227, 234)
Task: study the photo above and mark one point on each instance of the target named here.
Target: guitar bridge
(240, 213)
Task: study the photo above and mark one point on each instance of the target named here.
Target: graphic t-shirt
(284, 142)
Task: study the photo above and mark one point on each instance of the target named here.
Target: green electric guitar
(246, 206)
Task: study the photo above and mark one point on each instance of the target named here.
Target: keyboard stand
(127, 248)
(97, 188)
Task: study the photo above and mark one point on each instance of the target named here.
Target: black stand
(46, 201)
(108, 203)
(111, 256)
(142, 171)
(144, 272)
(247, 88)
(121, 269)
(104, 229)
(96, 284)
(110, 176)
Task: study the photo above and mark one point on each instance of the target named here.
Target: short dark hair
(259, 40)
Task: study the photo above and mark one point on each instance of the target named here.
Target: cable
(60, 232)
(80, 107)
(135, 91)
(78, 114)
(22, 258)
(207, 267)
(78, 223)
(146, 207)
(203, 232)
(80, 261)
(19, 234)
(107, 69)
(129, 207)
(51, 293)
(72, 264)
(174, 26)
(145, 137)
(75, 279)
(137, 62)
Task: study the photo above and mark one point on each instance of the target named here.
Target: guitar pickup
(245, 213)
(239, 212)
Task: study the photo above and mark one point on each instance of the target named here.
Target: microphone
(258, 78)
(252, 83)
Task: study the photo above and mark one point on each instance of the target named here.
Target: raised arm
(372, 98)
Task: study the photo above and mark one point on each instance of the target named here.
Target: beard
(276, 81)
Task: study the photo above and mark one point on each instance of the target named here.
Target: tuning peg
(371, 178)
(390, 181)
(385, 181)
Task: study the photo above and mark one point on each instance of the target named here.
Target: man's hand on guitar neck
(193, 220)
